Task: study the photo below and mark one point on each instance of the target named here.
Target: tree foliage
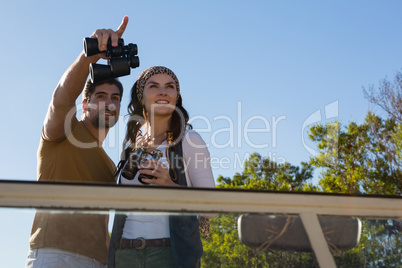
(360, 159)
(224, 248)
(264, 174)
(356, 158)
(366, 158)
(380, 244)
(388, 96)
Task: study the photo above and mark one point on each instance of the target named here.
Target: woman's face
(160, 95)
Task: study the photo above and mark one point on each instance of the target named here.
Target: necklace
(152, 143)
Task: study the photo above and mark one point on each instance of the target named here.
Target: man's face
(103, 108)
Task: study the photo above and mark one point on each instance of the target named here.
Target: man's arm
(72, 83)
(64, 96)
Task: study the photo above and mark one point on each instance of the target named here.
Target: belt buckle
(143, 243)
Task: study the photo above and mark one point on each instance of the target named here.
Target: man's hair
(90, 87)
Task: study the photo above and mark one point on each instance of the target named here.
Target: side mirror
(280, 232)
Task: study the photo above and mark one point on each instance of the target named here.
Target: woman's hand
(160, 173)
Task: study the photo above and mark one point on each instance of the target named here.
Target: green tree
(367, 159)
(387, 96)
(388, 244)
(359, 159)
(397, 136)
(264, 174)
(224, 248)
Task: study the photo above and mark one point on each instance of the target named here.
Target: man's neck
(99, 133)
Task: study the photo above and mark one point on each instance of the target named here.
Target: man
(71, 151)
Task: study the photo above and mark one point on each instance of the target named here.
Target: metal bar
(131, 198)
(317, 240)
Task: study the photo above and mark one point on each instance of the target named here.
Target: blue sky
(252, 73)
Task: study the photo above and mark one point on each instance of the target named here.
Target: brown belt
(142, 243)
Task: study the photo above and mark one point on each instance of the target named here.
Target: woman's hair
(138, 115)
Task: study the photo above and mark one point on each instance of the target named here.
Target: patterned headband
(145, 75)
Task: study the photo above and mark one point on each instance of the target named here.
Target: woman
(177, 156)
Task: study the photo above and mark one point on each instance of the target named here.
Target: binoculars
(121, 59)
(135, 159)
